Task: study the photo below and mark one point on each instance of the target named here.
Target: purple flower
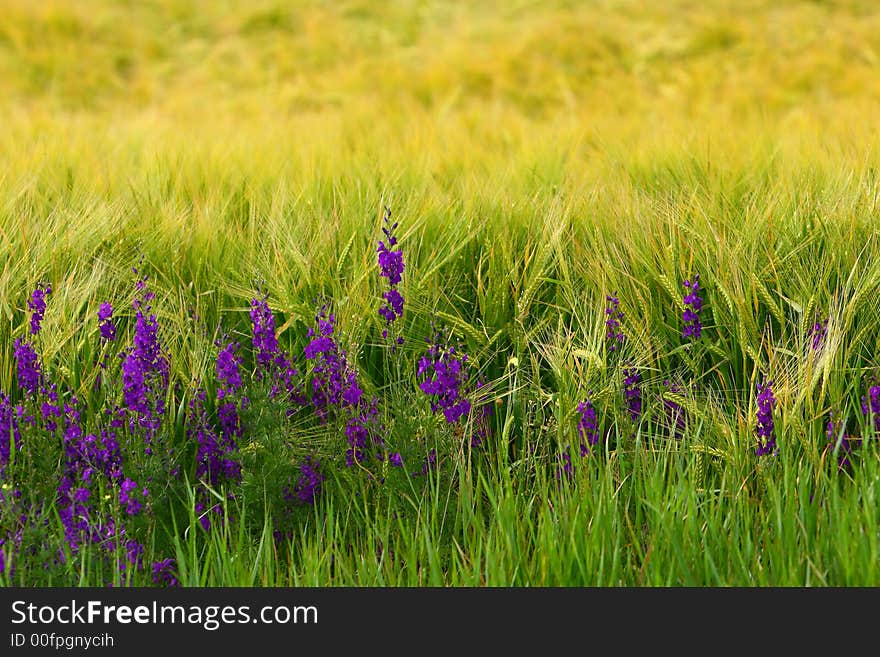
(215, 455)
(10, 434)
(128, 497)
(817, 334)
(871, 405)
(764, 429)
(335, 380)
(390, 262)
(28, 367)
(37, 305)
(272, 362)
(145, 372)
(361, 432)
(228, 369)
(308, 487)
(632, 392)
(390, 267)
(395, 459)
(264, 339)
(693, 306)
(164, 573)
(447, 382)
(613, 334)
(105, 322)
(588, 426)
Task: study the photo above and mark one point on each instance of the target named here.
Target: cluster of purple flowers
(88, 460)
(272, 362)
(164, 573)
(145, 371)
(445, 375)
(335, 381)
(308, 486)
(565, 469)
(693, 303)
(764, 429)
(28, 367)
(632, 392)
(588, 426)
(229, 377)
(614, 336)
(215, 457)
(390, 267)
(37, 306)
(105, 322)
(264, 340)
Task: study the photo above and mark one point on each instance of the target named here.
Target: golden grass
(462, 98)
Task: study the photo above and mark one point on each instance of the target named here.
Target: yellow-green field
(539, 156)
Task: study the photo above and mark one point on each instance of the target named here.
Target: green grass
(538, 157)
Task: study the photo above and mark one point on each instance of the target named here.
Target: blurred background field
(460, 96)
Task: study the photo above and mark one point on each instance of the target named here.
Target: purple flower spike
(614, 336)
(693, 326)
(390, 267)
(27, 366)
(105, 322)
(37, 305)
(632, 392)
(817, 334)
(308, 487)
(764, 429)
(588, 427)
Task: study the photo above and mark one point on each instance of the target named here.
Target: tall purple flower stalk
(37, 306)
(693, 303)
(588, 426)
(632, 392)
(273, 363)
(614, 336)
(565, 468)
(335, 380)
(390, 267)
(764, 429)
(229, 377)
(264, 340)
(145, 372)
(27, 367)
